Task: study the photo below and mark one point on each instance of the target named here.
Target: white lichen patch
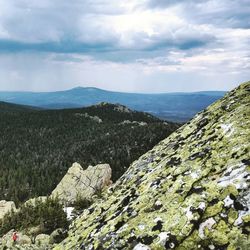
(206, 224)
(228, 129)
(141, 227)
(164, 236)
(172, 245)
(228, 202)
(68, 211)
(124, 227)
(194, 175)
(202, 205)
(223, 215)
(188, 213)
(157, 219)
(212, 247)
(158, 203)
(234, 175)
(244, 212)
(141, 246)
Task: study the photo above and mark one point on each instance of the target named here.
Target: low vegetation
(35, 218)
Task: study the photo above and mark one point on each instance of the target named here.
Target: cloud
(80, 27)
(123, 41)
(167, 3)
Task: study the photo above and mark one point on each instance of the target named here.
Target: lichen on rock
(83, 183)
(6, 207)
(191, 191)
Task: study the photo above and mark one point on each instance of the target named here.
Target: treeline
(38, 147)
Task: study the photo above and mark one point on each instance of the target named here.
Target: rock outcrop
(82, 183)
(5, 207)
(191, 191)
(43, 239)
(7, 242)
(58, 235)
(32, 201)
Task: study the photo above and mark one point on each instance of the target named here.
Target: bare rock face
(5, 207)
(82, 183)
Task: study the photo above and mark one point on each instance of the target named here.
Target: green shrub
(36, 218)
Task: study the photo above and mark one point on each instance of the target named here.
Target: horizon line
(114, 91)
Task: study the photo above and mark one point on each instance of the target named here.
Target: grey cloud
(79, 27)
(167, 3)
(225, 13)
(44, 44)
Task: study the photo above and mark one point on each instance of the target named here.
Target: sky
(132, 46)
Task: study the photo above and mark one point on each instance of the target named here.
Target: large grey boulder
(5, 207)
(82, 183)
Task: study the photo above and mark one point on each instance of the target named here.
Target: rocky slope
(191, 191)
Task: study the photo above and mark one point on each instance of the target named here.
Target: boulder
(5, 207)
(42, 239)
(58, 235)
(24, 239)
(84, 183)
(32, 201)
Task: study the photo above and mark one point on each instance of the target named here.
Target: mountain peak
(86, 88)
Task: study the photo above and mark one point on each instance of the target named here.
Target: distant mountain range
(178, 107)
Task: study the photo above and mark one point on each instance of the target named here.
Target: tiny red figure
(14, 237)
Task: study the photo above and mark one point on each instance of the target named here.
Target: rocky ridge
(191, 191)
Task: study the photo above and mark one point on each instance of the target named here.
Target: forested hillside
(37, 147)
(11, 107)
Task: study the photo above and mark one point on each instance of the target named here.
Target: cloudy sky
(124, 45)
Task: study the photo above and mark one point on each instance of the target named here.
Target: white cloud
(123, 45)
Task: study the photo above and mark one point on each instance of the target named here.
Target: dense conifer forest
(38, 146)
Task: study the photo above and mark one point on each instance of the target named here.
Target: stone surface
(82, 183)
(42, 239)
(58, 235)
(5, 207)
(191, 191)
(32, 201)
